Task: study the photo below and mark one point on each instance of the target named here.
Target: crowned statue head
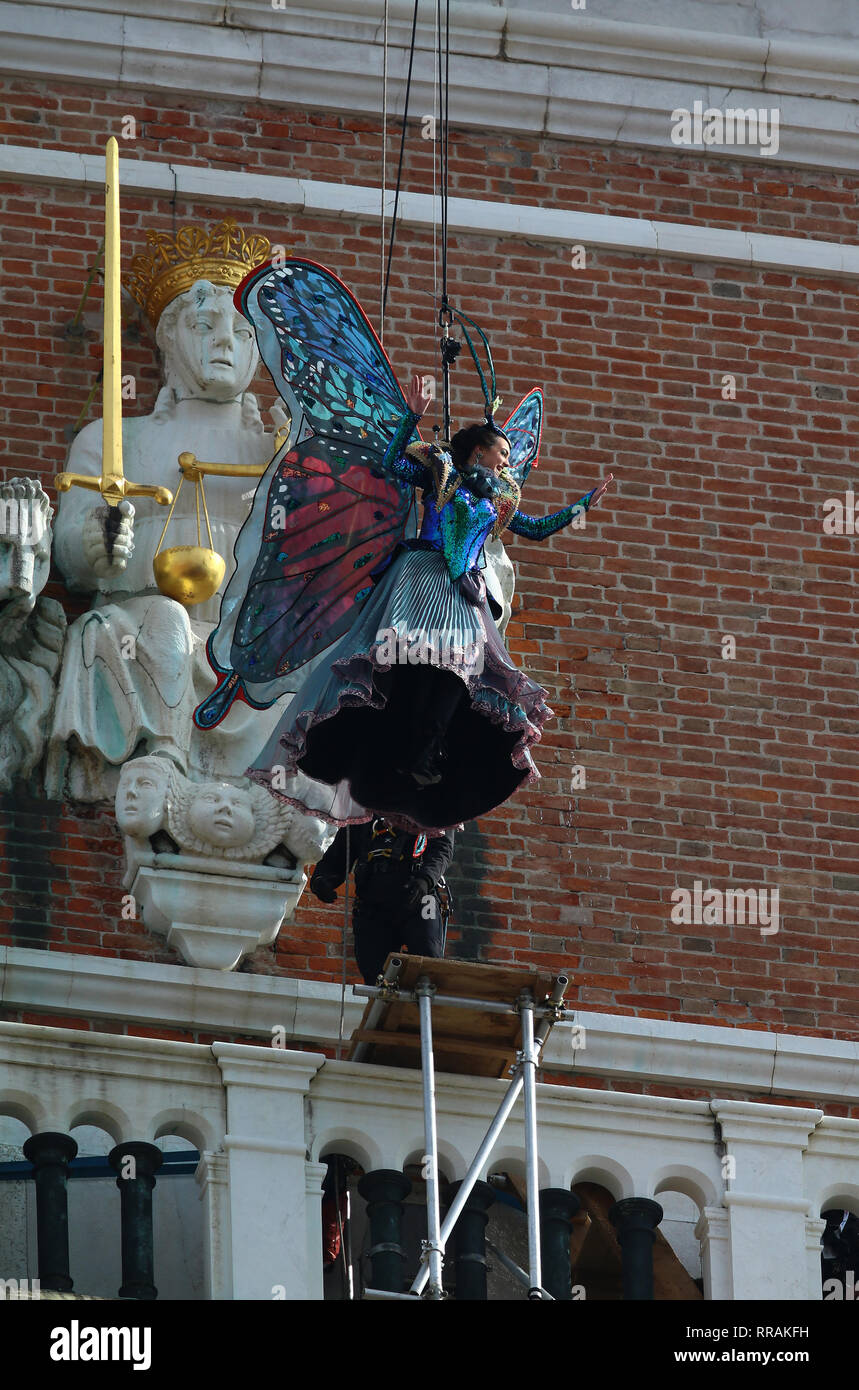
(185, 284)
(209, 348)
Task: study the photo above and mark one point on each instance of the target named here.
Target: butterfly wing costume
(320, 518)
(397, 635)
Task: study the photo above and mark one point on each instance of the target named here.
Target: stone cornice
(714, 1059)
(171, 996)
(778, 1125)
(478, 216)
(277, 1069)
(528, 68)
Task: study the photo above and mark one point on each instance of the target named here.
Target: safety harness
(396, 852)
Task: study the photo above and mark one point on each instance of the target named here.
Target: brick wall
(736, 773)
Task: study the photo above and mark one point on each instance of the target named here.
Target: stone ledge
(541, 70)
(711, 1058)
(632, 235)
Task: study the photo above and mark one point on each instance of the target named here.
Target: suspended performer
(401, 899)
(411, 706)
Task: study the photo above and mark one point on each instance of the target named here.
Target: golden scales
(193, 573)
(190, 574)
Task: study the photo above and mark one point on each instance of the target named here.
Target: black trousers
(423, 706)
(365, 746)
(379, 931)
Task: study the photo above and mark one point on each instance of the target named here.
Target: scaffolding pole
(433, 1248)
(529, 1079)
(523, 1079)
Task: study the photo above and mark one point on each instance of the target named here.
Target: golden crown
(173, 264)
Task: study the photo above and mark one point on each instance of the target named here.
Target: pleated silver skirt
(416, 615)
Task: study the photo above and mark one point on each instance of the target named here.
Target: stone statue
(214, 866)
(31, 628)
(142, 795)
(157, 808)
(135, 666)
(141, 807)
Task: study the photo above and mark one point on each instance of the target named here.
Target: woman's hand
(416, 399)
(603, 487)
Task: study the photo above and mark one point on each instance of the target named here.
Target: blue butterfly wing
(320, 519)
(321, 351)
(524, 428)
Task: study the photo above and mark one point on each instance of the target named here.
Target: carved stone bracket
(214, 914)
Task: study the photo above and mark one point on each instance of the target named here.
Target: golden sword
(113, 485)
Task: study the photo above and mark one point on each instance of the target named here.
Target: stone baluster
(50, 1155)
(385, 1190)
(636, 1219)
(136, 1164)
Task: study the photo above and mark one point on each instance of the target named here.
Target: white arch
(354, 1143)
(679, 1177)
(19, 1105)
(510, 1158)
(187, 1125)
(606, 1172)
(100, 1114)
(841, 1195)
(452, 1163)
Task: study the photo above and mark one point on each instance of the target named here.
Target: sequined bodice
(459, 529)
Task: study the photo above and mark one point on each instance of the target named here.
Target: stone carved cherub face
(217, 820)
(209, 347)
(222, 815)
(141, 796)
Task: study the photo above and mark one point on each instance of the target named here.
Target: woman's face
(494, 456)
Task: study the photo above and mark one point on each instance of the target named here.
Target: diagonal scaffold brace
(536, 1022)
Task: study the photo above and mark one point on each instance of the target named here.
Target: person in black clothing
(401, 899)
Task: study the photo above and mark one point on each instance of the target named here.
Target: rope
(448, 349)
(344, 940)
(384, 176)
(444, 101)
(400, 161)
(88, 402)
(206, 510)
(344, 1260)
(169, 515)
(435, 190)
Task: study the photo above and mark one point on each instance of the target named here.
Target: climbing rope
(384, 175)
(448, 346)
(400, 163)
(344, 942)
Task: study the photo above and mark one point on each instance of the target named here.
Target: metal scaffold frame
(428, 1281)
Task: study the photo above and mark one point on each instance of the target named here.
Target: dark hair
(464, 442)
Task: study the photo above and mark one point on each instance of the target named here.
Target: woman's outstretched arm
(539, 528)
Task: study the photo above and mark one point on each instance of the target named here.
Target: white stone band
(611, 1045)
(534, 67)
(633, 235)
